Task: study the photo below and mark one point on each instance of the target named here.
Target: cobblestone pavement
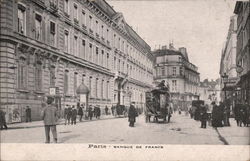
(181, 130)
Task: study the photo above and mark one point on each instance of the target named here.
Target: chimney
(183, 50)
(171, 46)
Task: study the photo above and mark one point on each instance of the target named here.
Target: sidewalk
(235, 135)
(35, 124)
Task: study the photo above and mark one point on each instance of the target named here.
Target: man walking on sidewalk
(3, 120)
(28, 114)
(49, 115)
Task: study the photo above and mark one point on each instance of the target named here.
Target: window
(52, 76)
(163, 71)
(97, 56)
(66, 41)
(102, 31)
(174, 85)
(107, 61)
(115, 63)
(107, 90)
(119, 43)
(107, 34)
(174, 71)
(66, 6)
(90, 22)
(90, 52)
(102, 58)
(38, 76)
(52, 33)
(97, 27)
(21, 19)
(66, 82)
(96, 88)
(38, 27)
(83, 49)
(75, 12)
(75, 83)
(75, 46)
(181, 71)
(90, 85)
(102, 89)
(83, 17)
(22, 74)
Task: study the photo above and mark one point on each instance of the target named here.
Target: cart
(157, 104)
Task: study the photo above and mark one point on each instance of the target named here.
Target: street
(181, 130)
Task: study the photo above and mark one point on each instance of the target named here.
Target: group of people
(220, 115)
(242, 114)
(70, 114)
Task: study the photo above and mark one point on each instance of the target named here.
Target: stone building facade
(242, 9)
(182, 76)
(228, 63)
(63, 43)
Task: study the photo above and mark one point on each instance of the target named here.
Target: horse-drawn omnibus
(157, 104)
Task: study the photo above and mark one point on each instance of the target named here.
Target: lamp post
(225, 78)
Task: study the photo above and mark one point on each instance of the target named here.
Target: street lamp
(225, 78)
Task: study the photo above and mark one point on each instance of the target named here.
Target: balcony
(39, 3)
(53, 7)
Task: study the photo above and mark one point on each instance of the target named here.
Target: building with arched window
(62, 43)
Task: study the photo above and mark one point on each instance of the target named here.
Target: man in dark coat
(74, 115)
(204, 116)
(65, 114)
(28, 114)
(90, 112)
(106, 110)
(3, 120)
(132, 114)
(50, 117)
(80, 113)
(69, 115)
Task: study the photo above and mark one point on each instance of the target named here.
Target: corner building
(62, 43)
(181, 75)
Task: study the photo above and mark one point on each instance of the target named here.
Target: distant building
(182, 76)
(242, 9)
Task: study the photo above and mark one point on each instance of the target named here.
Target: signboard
(52, 91)
(13, 114)
(83, 98)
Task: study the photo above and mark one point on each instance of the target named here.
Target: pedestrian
(214, 115)
(28, 114)
(80, 112)
(112, 110)
(65, 114)
(69, 114)
(170, 112)
(90, 112)
(237, 114)
(3, 120)
(204, 116)
(74, 115)
(132, 114)
(50, 116)
(106, 110)
(98, 112)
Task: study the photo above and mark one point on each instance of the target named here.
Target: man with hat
(132, 114)
(49, 115)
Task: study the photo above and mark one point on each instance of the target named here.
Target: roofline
(237, 6)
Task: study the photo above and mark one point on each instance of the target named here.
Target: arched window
(38, 76)
(22, 73)
(66, 82)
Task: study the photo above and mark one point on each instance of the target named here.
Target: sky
(199, 25)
